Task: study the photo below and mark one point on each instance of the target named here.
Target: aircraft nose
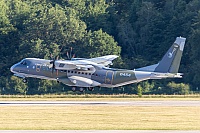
(12, 68)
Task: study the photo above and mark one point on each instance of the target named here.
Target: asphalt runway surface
(100, 103)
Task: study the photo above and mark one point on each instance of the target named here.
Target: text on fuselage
(125, 74)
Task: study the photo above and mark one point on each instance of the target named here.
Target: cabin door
(109, 77)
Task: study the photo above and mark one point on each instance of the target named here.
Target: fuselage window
(38, 67)
(68, 71)
(82, 72)
(72, 72)
(75, 72)
(85, 73)
(65, 71)
(79, 72)
(89, 73)
(24, 63)
(61, 65)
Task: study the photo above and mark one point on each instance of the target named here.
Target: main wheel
(73, 89)
(91, 88)
(81, 89)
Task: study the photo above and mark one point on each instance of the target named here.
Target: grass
(97, 117)
(91, 97)
(99, 99)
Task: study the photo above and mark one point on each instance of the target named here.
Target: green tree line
(139, 31)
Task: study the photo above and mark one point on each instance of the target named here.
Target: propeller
(69, 54)
(53, 59)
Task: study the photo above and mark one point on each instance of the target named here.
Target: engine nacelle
(67, 65)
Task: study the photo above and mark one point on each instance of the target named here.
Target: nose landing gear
(24, 80)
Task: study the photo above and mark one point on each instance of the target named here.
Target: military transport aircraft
(83, 73)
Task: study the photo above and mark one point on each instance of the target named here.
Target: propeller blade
(53, 62)
(67, 55)
(71, 53)
(73, 56)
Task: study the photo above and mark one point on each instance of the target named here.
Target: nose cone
(12, 69)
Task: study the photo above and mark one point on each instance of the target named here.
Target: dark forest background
(139, 31)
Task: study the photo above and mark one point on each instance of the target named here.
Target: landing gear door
(109, 77)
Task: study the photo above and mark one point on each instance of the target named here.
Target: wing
(103, 60)
(85, 64)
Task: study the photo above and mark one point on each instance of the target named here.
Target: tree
(16, 85)
(178, 88)
(5, 24)
(99, 43)
(52, 26)
(139, 90)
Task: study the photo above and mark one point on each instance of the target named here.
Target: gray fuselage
(105, 77)
(92, 72)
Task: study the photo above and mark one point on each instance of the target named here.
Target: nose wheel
(24, 80)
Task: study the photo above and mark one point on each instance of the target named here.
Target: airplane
(82, 73)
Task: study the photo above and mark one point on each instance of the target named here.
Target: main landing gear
(91, 88)
(74, 89)
(81, 89)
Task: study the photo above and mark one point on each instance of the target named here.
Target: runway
(100, 103)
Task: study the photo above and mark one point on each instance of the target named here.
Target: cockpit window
(24, 62)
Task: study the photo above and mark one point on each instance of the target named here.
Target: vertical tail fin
(171, 60)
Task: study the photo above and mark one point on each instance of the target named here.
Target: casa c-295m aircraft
(83, 73)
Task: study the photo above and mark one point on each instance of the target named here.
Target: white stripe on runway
(100, 103)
